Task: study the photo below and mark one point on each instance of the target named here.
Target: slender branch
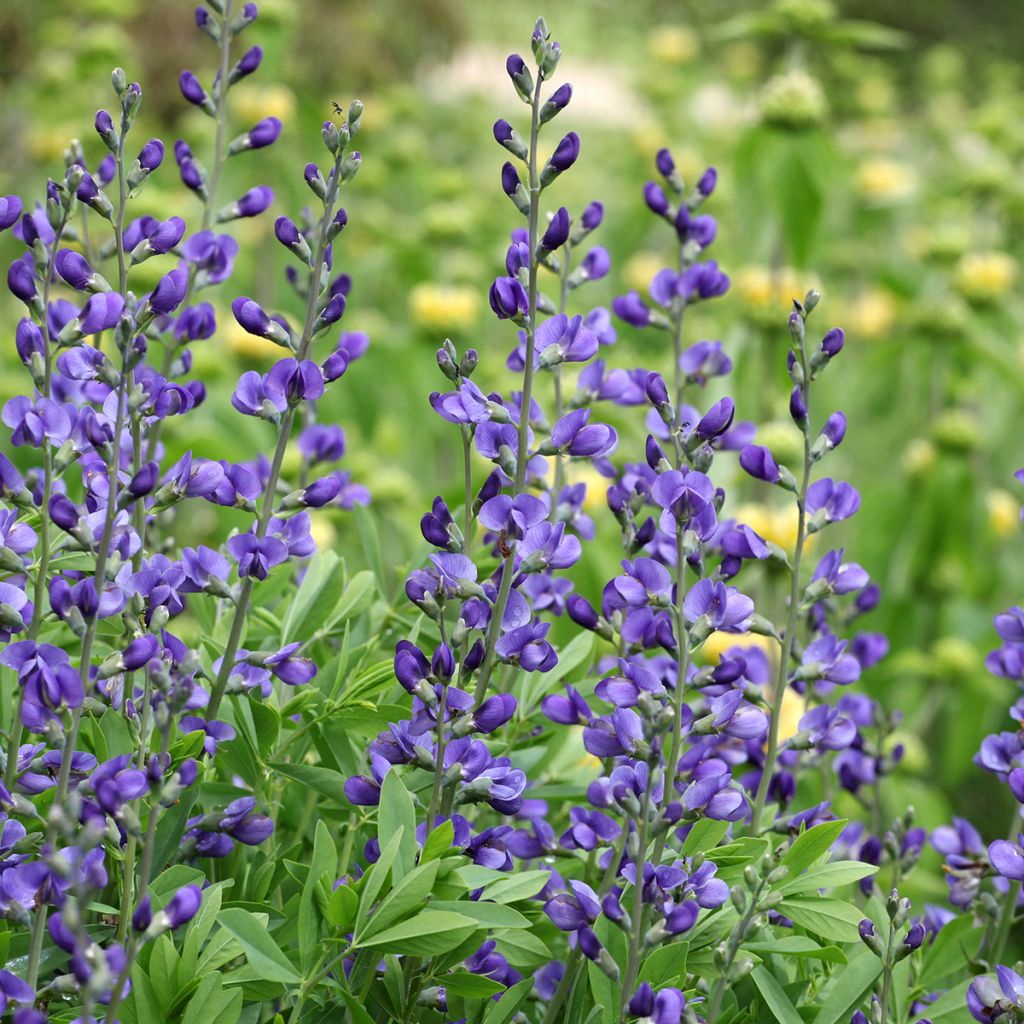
(283, 437)
(789, 637)
(508, 568)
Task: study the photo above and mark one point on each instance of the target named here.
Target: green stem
(508, 568)
(42, 570)
(887, 966)
(789, 637)
(1006, 915)
(467, 482)
(633, 960)
(283, 437)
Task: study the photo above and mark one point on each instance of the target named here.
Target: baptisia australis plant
(115, 722)
(654, 878)
(242, 784)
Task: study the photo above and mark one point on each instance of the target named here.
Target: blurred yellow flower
(775, 524)
(673, 44)
(876, 94)
(443, 306)
(718, 643)
(794, 99)
(985, 276)
(871, 315)
(583, 473)
(1003, 512)
(640, 268)
(766, 294)
(881, 180)
(918, 457)
(322, 530)
(242, 343)
(46, 142)
(253, 102)
(793, 709)
(742, 59)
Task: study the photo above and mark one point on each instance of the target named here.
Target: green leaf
(508, 1005)
(428, 933)
(324, 865)
(471, 986)
(341, 908)
(373, 880)
(954, 946)
(951, 1006)
(810, 845)
(359, 1014)
(439, 841)
(521, 948)
(515, 887)
(396, 811)
(370, 540)
(798, 945)
(848, 988)
(322, 573)
(359, 592)
(325, 781)
(828, 876)
(210, 1004)
(705, 835)
(260, 949)
(665, 964)
(775, 997)
(487, 915)
(831, 919)
(406, 896)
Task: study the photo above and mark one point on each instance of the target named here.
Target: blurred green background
(869, 148)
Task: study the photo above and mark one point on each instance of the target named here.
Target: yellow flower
(794, 99)
(322, 530)
(1003, 512)
(767, 294)
(875, 95)
(443, 307)
(871, 315)
(47, 142)
(242, 343)
(793, 709)
(253, 102)
(776, 525)
(673, 44)
(718, 643)
(640, 269)
(881, 180)
(985, 276)
(918, 457)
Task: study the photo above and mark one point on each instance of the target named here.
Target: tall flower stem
(219, 150)
(467, 485)
(42, 570)
(736, 937)
(283, 437)
(633, 958)
(508, 568)
(789, 637)
(887, 966)
(1005, 923)
(563, 295)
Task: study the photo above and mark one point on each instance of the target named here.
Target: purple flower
(759, 463)
(1008, 858)
(573, 435)
(719, 606)
(10, 211)
(213, 255)
(564, 340)
(578, 908)
(256, 556)
(631, 308)
(252, 318)
(830, 501)
(527, 647)
(988, 1000)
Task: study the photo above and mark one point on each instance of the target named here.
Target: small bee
(337, 108)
